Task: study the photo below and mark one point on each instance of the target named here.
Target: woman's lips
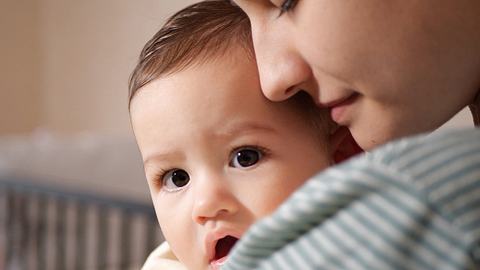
(338, 109)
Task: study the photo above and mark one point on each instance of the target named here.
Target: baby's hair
(193, 35)
(202, 32)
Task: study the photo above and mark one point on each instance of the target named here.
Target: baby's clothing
(162, 258)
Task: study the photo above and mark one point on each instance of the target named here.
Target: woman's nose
(213, 199)
(282, 70)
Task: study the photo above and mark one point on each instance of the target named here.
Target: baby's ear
(343, 145)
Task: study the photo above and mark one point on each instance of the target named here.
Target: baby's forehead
(301, 104)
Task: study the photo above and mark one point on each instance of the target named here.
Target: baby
(217, 154)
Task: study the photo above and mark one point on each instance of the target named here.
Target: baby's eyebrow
(156, 156)
(244, 127)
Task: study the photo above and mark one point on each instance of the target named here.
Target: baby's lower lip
(216, 264)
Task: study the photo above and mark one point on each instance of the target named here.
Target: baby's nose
(212, 199)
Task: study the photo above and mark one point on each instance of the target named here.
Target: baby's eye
(245, 157)
(175, 179)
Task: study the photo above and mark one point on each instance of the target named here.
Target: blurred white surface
(460, 120)
(104, 165)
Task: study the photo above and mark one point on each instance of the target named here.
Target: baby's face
(218, 155)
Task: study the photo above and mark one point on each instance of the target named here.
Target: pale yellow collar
(162, 258)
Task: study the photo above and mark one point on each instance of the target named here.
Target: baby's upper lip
(212, 238)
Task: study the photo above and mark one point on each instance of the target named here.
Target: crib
(49, 228)
(74, 203)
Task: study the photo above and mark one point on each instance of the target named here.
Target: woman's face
(385, 68)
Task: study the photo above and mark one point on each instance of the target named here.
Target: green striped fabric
(412, 204)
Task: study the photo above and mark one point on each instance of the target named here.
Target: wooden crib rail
(45, 227)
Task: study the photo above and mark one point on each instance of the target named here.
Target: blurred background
(63, 86)
(72, 189)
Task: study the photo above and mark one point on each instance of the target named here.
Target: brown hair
(204, 31)
(194, 34)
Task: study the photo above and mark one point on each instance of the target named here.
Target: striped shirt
(411, 204)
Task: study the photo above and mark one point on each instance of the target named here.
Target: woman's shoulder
(441, 170)
(419, 193)
(427, 146)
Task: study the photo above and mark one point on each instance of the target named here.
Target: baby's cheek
(271, 204)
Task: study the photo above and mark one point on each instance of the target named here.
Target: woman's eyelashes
(246, 156)
(286, 6)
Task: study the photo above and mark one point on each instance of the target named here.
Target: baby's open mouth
(223, 247)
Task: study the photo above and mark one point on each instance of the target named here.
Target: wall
(65, 63)
(19, 66)
(90, 48)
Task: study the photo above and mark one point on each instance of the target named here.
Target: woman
(386, 70)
